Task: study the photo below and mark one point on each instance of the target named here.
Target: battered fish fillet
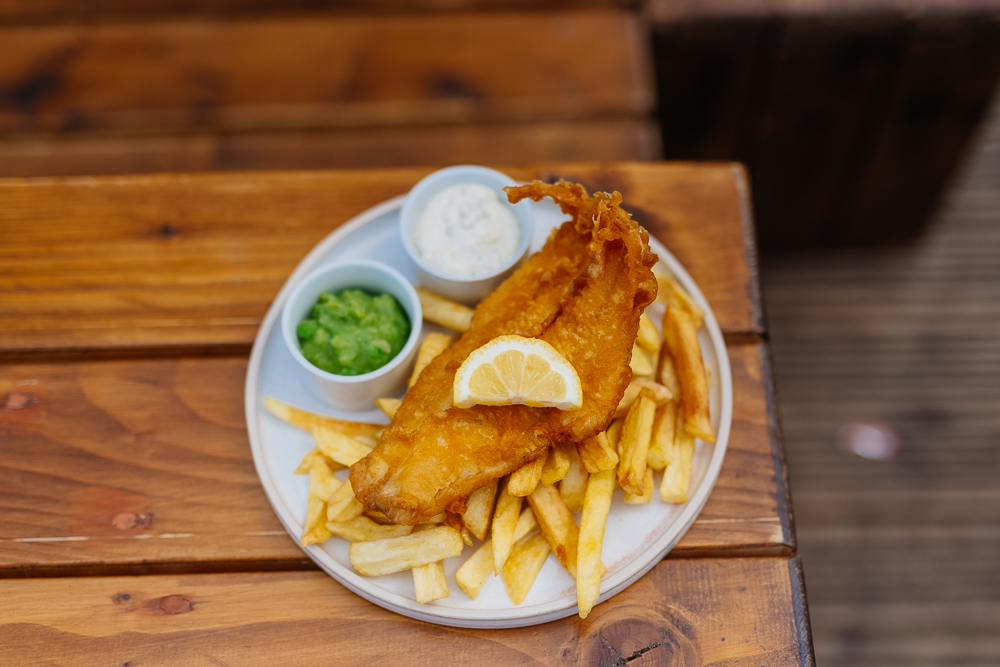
(582, 293)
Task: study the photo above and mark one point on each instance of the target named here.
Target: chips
(476, 570)
(680, 337)
(673, 295)
(598, 453)
(557, 464)
(389, 405)
(574, 484)
(395, 554)
(556, 524)
(596, 505)
(634, 444)
(433, 345)
(338, 447)
(363, 529)
(368, 433)
(479, 510)
(664, 409)
(442, 311)
(508, 509)
(523, 565)
(524, 480)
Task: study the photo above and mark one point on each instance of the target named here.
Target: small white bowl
(354, 392)
(465, 289)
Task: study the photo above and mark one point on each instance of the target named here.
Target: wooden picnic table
(133, 525)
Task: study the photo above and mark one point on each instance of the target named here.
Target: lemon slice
(513, 370)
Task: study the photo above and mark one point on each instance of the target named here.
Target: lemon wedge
(513, 370)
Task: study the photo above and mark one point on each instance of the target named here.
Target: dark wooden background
(850, 116)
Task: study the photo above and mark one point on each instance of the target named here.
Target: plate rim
(466, 618)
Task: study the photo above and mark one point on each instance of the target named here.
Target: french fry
(641, 364)
(441, 311)
(307, 460)
(574, 484)
(314, 531)
(557, 464)
(634, 444)
(597, 453)
(524, 480)
(596, 505)
(479, 510)
(661, 444)
(526, 524)
(615, 433)
(668, 373)
(523, 565)
(394, 554)
(343, 505)
(429, 581)
(505, 520)
(680, 337)
(454, 520)
(647, 491)
(433, 345)
(389, 405)
(343, 449)
(677, 476)
(474, 572)
(556, 524)
(363, 529)
(673, 295)
(308, 420)
(660, 393)
(322, 483)
(649, 338)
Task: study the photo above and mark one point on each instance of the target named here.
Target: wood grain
(322, 71)
(900, 555)
(144, 466)
(164, 264)
(714, 612)
(505, 142)
(26, 11)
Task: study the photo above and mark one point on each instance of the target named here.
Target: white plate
(636, 537)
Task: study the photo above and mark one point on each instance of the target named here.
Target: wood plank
(143, 466)
(27, 11)
(323, 71)
(178, 262)
(900, 555)
(512, 143)
(716, 612)
(949, 70)
(670, 11)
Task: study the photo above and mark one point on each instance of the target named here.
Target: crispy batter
(583, 293)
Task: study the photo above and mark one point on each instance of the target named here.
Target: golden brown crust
(583, 293)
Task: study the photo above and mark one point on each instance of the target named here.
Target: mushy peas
(352, 332)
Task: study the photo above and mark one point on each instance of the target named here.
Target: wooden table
(132, 522)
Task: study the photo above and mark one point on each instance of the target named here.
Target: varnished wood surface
(172, 263)
(46, 11)
(900, 556)
(144, 466)
(478, 143)
(322, 71)
(732, 612)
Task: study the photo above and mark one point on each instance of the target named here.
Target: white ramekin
(354, 392)
(465, 289)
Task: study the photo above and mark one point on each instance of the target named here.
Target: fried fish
(583, 293)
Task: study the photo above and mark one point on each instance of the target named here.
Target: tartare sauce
(465, 230)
